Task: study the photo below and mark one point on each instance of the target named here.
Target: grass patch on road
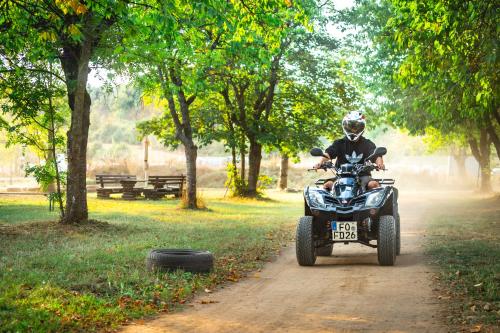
(465, 244)
(56, 278)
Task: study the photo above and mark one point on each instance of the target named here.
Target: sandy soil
(347, 292)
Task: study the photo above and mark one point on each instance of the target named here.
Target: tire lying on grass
(193, 261)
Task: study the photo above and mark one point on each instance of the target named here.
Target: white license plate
(344, 231)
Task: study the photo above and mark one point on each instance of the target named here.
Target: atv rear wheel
(304, 243)
(386, 243)
(398, 235)
(324, 251)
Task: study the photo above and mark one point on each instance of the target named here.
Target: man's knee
(328, 185)
(372, 184)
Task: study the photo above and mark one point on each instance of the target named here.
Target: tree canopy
(435, 64)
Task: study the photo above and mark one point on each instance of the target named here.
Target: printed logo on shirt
(354, 158)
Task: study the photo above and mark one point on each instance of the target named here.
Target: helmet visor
(353, 126)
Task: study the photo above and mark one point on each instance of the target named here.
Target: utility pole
(146, 163)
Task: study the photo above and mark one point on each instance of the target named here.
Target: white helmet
(353, 125)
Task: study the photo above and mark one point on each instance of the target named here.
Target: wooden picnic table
(110, 184)
(165, 185)
(130, 192)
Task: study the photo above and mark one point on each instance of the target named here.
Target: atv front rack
(321, 181)
(381, 181)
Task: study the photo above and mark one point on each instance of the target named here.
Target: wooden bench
(110, 184)
(165, 185)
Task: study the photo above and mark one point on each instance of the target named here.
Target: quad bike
(349, 214)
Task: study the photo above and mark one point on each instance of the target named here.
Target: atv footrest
(382, 181)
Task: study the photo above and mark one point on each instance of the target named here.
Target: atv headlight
(316, 200)
(374, 199)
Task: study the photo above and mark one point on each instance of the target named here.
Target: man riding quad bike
(350, 206)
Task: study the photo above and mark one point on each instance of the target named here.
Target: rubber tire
(398, 235)
(386, 243)
(304, 243)
(165, 260)
(324, 251)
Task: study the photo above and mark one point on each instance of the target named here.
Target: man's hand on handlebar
(318, 166)
(379, 162)
(321, 164)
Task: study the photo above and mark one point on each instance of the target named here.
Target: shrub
(236, 184)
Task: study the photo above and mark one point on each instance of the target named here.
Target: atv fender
(389, 205)
(307, 210)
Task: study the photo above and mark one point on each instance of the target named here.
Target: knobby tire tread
(398, 235)
(304, 243)
(386, 244)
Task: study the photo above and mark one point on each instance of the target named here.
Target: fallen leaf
(208, 301)
(476, 329)
(473, 308)
(487, 307)
(208, 291)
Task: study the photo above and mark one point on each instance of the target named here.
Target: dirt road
(347, 292)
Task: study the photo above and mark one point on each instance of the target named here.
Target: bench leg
(129, 196)
(105, 195)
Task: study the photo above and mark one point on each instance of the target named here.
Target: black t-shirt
(358, 150)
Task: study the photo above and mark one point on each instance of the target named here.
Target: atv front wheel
(304, 243)
(386, 243)
(324, 251)
(398, 235)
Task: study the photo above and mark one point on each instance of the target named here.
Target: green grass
(56, 278)
(465, 244)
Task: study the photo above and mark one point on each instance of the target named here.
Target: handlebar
(324, 166)
(367, 166)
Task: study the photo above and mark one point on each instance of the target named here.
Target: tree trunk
(183, 128)
(233, 155)
(75, 63)
(254, 159)
(283, 181)
(242, 164)
(53, 153)
(191, 156)
(242, 158)
(482, 155)
(484, 147)
(494, 138)
(459, 157)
